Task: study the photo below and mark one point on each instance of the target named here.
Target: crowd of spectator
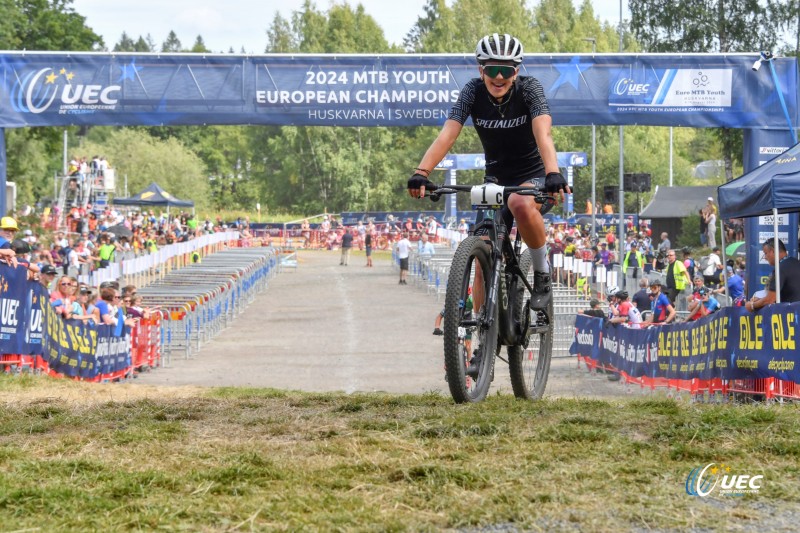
(93, 240)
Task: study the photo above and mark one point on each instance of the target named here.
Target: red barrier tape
(769, 388)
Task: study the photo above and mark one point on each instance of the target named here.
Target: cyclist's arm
(544, 140)
(443, 143)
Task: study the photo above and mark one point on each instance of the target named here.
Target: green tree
(199, 46)
(9, 22)
(52, 25)
(709, 26)
(144, 159)
(143, 45)
(280, 38)
(125, 44)
(172, 43)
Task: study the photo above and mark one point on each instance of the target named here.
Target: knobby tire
(529, 366)
(463, 388)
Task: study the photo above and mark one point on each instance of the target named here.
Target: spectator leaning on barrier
(642, 297)
(47, 275)
(702, 303)
(735, 285)
(8, 228)
(594, 309)
(677, 276)
(663, 311)
(790, 277)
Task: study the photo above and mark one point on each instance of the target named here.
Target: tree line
(310, 169)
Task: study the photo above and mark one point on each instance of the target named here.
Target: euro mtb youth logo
(703, 480)
(39, 91)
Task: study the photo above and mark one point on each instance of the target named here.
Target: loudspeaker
(636, 182)
(611, 194)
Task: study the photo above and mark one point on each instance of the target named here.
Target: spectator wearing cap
(29, 237)
(22, 251)
(695, 303)
(677, 276)
(594, 309)
(633, 261)
(8, 228)
(735, 285)
(80, 310)
(47, 275)
(704, 303)
(663, 311)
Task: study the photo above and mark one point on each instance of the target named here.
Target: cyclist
(512, 119)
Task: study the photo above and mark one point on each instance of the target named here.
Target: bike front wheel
(529, 365)
(470, 336)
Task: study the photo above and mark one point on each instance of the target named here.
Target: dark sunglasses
(507, 71)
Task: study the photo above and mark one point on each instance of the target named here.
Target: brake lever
(547, 202)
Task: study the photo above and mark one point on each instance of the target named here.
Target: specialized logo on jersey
(38, 91)
(501, 124)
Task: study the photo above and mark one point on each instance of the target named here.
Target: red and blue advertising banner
(730, 344)
(29, 325)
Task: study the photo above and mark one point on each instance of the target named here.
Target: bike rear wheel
(529, 365)
(468, 340)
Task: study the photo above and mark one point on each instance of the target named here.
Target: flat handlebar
(546, 200)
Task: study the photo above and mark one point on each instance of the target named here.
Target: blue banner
(730, 344)
(20, 312)
(54, 89)
(29, 325)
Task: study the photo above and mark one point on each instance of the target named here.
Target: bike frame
(511, 330)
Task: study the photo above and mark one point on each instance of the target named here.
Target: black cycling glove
(438, 331)
(555, 182)
(418, 180)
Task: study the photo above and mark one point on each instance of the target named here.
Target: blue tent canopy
(153, 195)
(773, 185)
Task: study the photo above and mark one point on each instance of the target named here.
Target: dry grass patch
(79, 456)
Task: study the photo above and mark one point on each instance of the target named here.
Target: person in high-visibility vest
(677, 277)
(633, 259)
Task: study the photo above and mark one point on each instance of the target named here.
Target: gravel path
(326, 327)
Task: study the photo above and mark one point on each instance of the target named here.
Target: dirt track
(326, 327)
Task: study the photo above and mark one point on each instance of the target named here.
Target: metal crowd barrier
(201, 299)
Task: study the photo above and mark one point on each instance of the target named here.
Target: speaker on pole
(636, 182)
(610, 195)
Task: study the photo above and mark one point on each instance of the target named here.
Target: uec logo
(628, 87)
(700, 484)
(36, 92)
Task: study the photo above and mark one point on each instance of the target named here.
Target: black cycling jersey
(505, 130)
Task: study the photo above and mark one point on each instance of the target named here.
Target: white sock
(539, 256)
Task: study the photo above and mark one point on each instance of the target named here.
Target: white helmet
(612, 291)
(499, 48)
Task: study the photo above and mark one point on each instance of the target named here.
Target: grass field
(88, 457)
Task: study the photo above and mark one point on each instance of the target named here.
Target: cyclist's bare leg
(530, 225)
(530, 222)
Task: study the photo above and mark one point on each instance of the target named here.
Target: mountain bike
(505, 318)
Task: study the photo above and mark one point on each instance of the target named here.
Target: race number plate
(486, 196)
